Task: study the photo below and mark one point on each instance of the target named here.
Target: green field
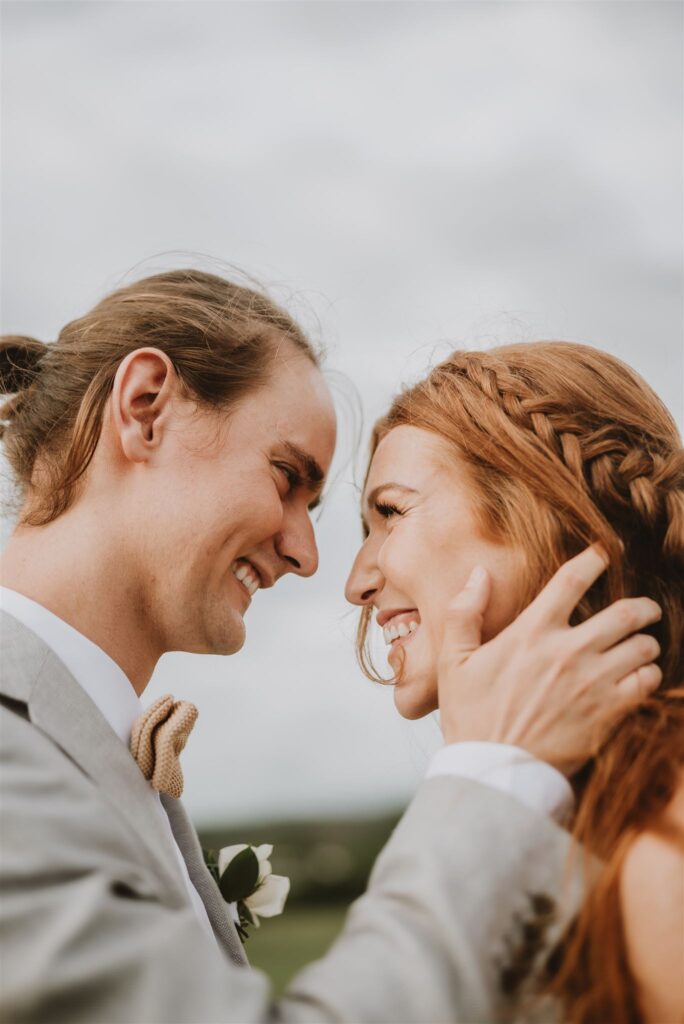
(328, 863)
(284, 944)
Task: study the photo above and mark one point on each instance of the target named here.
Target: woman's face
(423, 541)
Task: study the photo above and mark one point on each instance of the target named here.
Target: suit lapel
(58, 706)
(61, 709)
(215, 905)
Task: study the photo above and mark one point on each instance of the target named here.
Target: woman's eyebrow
(373, 496)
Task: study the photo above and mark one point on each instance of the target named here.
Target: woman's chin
(415, 699)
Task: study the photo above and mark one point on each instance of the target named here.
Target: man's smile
(247, 575)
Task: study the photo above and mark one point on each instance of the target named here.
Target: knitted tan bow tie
(157, 739)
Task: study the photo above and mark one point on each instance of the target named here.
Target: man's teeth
(244, 573)
(391, 633)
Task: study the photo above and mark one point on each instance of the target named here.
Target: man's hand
(553, 689)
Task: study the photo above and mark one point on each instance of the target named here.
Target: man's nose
(296, 545)
(365, 579)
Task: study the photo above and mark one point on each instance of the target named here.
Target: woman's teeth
(245, 574)
(391, 633)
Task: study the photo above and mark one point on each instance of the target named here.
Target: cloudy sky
(406, 177)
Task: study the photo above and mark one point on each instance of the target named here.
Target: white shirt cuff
(511, 770)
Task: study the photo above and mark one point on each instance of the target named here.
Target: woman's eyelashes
(387, 510)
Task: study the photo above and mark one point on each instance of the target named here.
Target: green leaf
(239, 879)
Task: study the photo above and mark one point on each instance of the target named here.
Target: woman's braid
(561, 445)
(624, 471)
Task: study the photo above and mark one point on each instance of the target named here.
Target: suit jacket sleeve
(91, 935)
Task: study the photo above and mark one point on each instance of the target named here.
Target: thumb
(464, 616)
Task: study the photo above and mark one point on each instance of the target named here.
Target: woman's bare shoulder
(652, 900)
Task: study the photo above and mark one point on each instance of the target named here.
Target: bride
(504, 464)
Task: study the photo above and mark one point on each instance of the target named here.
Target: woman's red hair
(566, 446)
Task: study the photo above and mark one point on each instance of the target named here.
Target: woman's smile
(423, 539)
(397, 626)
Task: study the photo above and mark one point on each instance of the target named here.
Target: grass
(282, 945)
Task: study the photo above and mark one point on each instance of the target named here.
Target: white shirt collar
(103, 680)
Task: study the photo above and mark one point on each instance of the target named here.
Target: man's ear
(144, 387)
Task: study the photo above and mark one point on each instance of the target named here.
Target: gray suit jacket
(96, 925)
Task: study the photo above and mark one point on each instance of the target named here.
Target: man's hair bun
(19, 362)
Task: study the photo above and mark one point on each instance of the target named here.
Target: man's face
(225, 509)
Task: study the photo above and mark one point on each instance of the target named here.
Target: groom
(108, 913)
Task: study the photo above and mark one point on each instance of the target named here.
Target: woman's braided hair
(565, 446)
(624, 468)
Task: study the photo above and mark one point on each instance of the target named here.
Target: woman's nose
(365, 579)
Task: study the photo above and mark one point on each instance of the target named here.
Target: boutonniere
(244, 875)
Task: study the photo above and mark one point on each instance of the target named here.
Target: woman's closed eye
(387, 510)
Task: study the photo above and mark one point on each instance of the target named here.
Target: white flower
(270, 892)
(269, 898)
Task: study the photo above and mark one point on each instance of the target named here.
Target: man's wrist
(511, 770)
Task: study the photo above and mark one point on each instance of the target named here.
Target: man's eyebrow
(311, 471)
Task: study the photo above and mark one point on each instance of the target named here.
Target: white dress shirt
(106, 684)
(513, 771)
